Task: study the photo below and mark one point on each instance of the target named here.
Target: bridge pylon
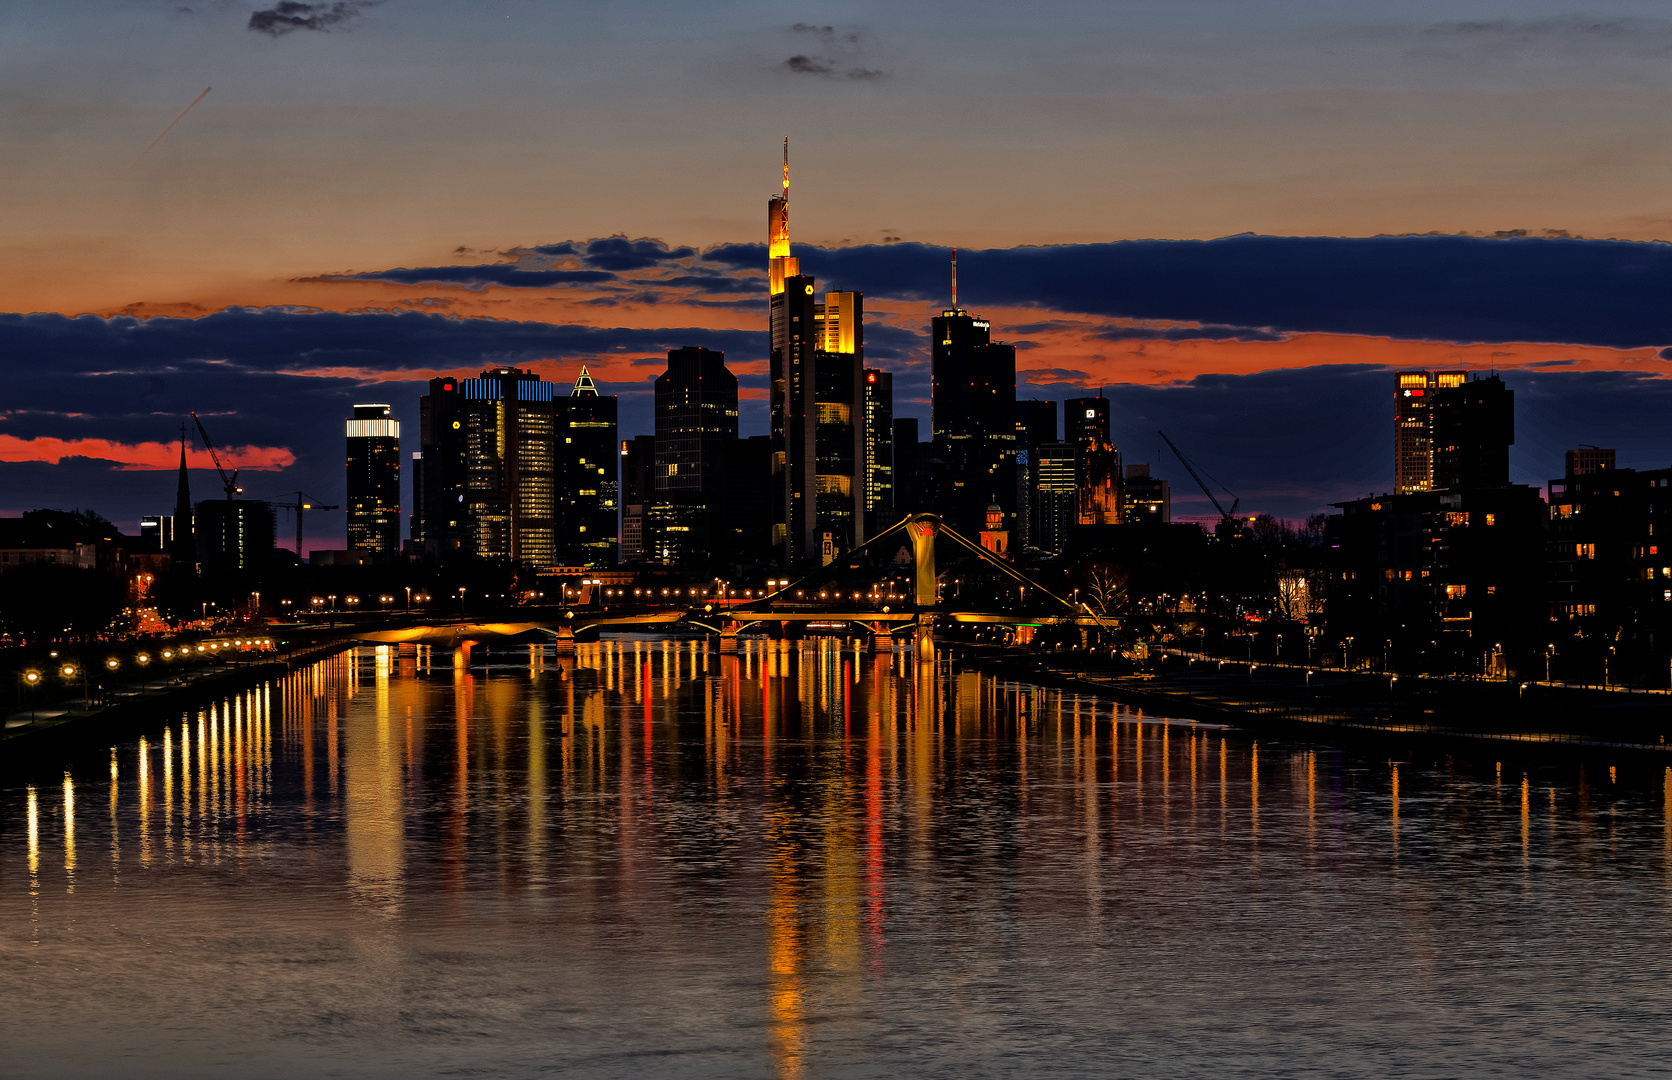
(923, 528)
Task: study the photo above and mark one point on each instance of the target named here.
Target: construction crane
(228, 482)
(298, 506)
(1225, 516)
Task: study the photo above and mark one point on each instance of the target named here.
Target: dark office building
(374, 480)
(1145, 499)
(588, 491)
(638, 488)
(974, 418)
(696, 420)
(1474, 427)
(907, 497)
(488, 473)
(1036, 422)
(879, 451)
(745, 515)
(1096, 461)
(234, 536)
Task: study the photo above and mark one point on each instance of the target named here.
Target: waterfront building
(696, 418)
(879, 451)
(489, 470)
(374, 480)
(1447, 580)
(588, 490)
(1610, 568)
(815, 368)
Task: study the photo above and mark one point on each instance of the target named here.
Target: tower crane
(1226, 520)
(228, 482)
(299, 506)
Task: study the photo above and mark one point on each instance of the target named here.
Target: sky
(1233, 217)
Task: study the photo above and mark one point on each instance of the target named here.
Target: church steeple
(184, 546)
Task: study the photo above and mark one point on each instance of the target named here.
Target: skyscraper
(906, 496)
(1096, 461)
(973, 405)
(374, 480)
(1474, 427)
(638, 487)
(1056, 497)
(1036, 422)
(588, 491)
(1413, 426)
(489, 468)
(696, 419)
(879, 451)
(816, 365)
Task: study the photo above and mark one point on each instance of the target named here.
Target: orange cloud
(140, 457)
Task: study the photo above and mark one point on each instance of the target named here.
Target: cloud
(477, 278)
(147, 456)
(1186, 333)
(1428, 288)
(618, 253)
(839, 57)
(288, 16)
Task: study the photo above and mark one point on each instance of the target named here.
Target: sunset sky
(1233, 216)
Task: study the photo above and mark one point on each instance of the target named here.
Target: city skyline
(1101, 284)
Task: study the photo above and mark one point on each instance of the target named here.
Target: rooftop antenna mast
(786, 168)
(954, 279)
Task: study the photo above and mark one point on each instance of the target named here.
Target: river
(651, 859)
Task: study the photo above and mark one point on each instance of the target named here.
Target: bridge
(728, 617)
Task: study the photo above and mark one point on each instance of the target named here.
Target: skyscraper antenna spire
(786, 167)
(954, 279)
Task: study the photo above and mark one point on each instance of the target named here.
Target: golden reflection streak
(69, 833)
(34, 841)
(1254, 792)
(1311, 799)
(168, 791)
(115, 827)
(144, 771)
(1526, 818)
(786, 987)
(185, 786)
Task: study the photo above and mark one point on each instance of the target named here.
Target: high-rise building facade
(638, 488)
(696, 420)
(374, 480)
(1056, 496)
(1145, 499)
(1413, 426)
(489, 469)
(1474, 427)
(588, 489)
(816, 367)
(1097, 462)
(973, 408)
(879, 451)
(906, 495)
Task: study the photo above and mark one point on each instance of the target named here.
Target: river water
(648, 859)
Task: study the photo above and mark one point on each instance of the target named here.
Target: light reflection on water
(804, 861)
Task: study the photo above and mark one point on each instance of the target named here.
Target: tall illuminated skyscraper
(817, 400)
(374, 480)
(1097, 462)
(588, 489)
(489, 469)
(879, 451)
(1413, 426)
